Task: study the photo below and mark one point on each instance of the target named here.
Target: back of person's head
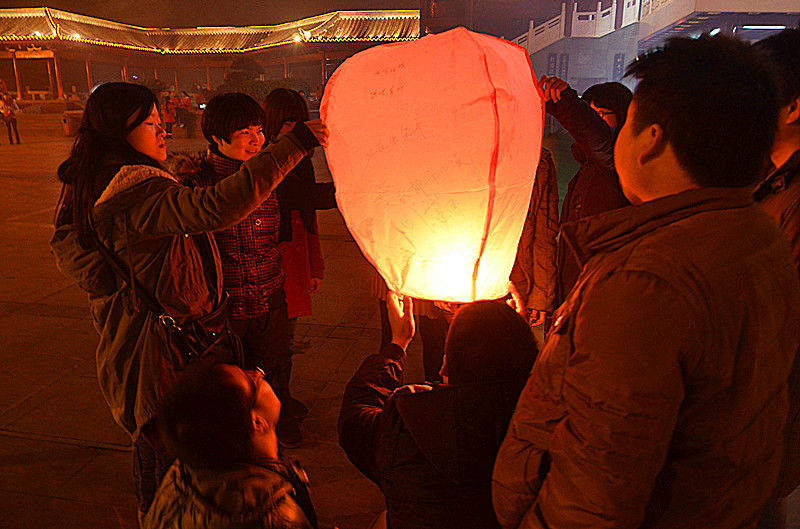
(283, 105)
(783, 50)
(488, 341)
(205, 419)
(227, 113)
(716, 103)
(101, 147)
(613, 96)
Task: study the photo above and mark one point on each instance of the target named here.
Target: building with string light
(50, 54)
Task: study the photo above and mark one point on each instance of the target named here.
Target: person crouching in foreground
(431, 450)
(220, 423)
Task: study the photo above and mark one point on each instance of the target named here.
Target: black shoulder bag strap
(126, 274)
(195, 346)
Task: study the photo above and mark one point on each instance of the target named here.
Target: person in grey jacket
(116, 195)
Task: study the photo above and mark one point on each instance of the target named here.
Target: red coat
(168, 115)
(301, 259)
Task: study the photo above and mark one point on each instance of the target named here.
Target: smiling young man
(232, 123)
(660, 396)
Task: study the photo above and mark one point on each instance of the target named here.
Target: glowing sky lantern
(433, 148)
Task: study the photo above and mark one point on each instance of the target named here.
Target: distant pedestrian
(9, 110)
(185, 116)
(168, 114)
(174, 106)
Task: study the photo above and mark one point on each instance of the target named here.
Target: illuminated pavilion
(48, 53)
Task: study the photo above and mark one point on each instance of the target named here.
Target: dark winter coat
(430, 451)
(595, 187)
(660, 396)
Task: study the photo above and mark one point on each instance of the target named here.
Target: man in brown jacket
(659, 398)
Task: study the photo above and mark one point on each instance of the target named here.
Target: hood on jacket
(459, 428)
(249, 488)
(186, 166)
(250, 495)
(579, 154)
(85, 267)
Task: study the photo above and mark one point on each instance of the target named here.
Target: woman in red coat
(298, 200)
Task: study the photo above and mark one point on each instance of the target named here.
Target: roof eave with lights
(341, 26)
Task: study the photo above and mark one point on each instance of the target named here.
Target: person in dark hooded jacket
(431, 449)
(593, 121)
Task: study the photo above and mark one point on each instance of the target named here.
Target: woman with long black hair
(138, 242)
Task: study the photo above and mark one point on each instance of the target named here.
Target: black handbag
(209, 335)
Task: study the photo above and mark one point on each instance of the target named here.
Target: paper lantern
(433, 149)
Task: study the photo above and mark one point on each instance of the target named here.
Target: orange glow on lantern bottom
(449, 276)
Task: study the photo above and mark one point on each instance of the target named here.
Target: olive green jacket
(160, 229)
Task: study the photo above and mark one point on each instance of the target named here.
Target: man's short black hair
(227, 113)
(716, 102)
(783, 50)
(613, 96)
(489, 342)
(205, 419)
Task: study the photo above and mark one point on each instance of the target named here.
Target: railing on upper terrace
(593, 23)
(543, 35)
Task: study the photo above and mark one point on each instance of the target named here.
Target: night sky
(505, 17)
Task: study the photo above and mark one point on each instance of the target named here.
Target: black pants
(9, 124)
(149, 468)
(265, 341)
